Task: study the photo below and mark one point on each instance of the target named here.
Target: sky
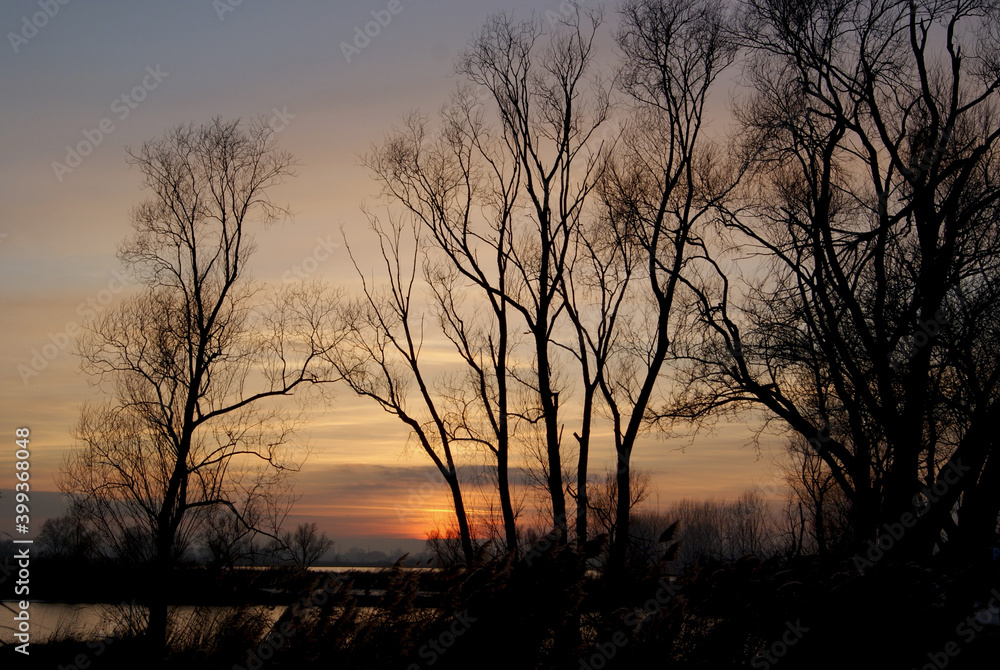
(84, 80)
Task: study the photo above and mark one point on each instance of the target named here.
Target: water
(59, 619)
(339, 569)
(94, 621)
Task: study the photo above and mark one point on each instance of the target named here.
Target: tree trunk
(819, 525)
(550, 410)
(464, 533)
(503, 425)
(864, 513)
(506, 505)
(977, 519)
(582, 466)
(619, 549)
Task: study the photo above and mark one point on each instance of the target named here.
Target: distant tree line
(73, 538)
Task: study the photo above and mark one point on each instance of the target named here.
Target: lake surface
(93, 621)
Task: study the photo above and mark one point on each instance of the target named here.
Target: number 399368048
(21, 472)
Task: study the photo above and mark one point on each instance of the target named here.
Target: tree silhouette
(659, 193)
(494, 200)
(192, 361)
(67, 537)
(861, 315)
(548, 104)
(305, 545)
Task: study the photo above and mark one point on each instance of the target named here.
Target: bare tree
(658, 190)
(596, 288)
(193, 361)
(546, 122)
(750, 526)
(228, 539)
(305, 545)
(499, 193)
(603, 499)
(726, 530)
(867, 325)
(381, 357)
(67, 537)
(430, 176)
(702, 525)
(445, 546)
(814, 490)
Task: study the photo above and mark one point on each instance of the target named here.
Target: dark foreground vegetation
(550, 610)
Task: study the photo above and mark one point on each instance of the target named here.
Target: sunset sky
(190, 60)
